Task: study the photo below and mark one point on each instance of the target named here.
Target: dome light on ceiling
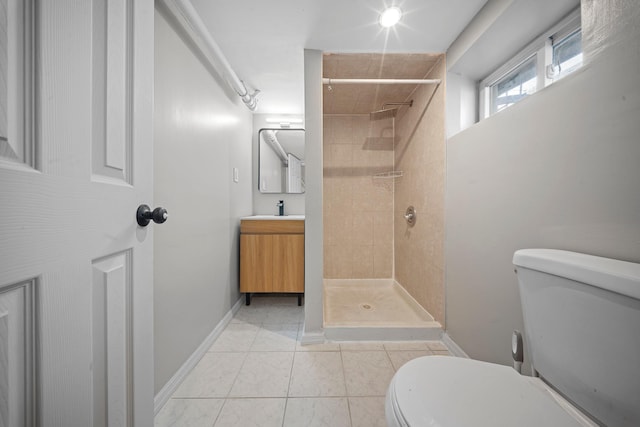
(390, 16)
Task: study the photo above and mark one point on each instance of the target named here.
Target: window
(552, 56)
(514, 86)
(567, 55)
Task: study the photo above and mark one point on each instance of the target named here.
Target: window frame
(542, 48)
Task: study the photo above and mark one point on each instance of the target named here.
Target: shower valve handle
(410, 216)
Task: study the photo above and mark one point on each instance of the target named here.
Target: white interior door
(76, 332)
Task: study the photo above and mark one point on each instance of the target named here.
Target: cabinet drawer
(284, 226)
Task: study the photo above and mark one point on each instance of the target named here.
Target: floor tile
(249, 314)
(367, 411)
(437, 346)
(367, 373)
(317, 412)
(325, 346)
(236, 337)
(441, 353)
(189, 412)
(272, 300)
(213, 376)
(317, 374)
(285, 315)
(276, 337)
(405, 345)
(399, 358)
(264, 374)
(361, 346)
(251, 413)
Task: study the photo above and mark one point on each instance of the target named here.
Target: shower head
(387, 113)
(383, 114)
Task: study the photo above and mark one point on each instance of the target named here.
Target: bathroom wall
(461, 103)
(265, 204)
(420, 155)
(313, 197)
(557, 170)
(202, 131)
(358, 206)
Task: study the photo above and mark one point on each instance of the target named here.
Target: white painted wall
(557, 170)
(201, 133)
(265, 204)
(313, 225)
(462, 103)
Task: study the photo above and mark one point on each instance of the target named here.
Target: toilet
(582, 327)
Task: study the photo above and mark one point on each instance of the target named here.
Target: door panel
(288, 254)
(112, 65)
(111, 320)
(256, 263)
(69, 198)
(16, 354)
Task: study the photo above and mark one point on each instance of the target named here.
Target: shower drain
(366, 306)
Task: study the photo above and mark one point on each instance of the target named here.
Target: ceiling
(363, 99)
(264, 40)
(523, 21)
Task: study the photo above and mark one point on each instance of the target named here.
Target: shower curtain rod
(188, 18)
(381, 81)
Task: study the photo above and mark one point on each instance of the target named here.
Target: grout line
(286, 402)
(224, 403)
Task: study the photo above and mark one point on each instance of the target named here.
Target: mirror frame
(259, 166)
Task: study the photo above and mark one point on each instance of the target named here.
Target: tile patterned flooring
(258, 374)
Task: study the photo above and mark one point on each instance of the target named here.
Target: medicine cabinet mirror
(281, 161)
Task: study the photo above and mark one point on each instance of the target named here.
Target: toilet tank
(582, 328)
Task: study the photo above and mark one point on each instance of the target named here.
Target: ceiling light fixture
(390, 16)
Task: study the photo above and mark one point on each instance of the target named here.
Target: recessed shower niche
(383, 144)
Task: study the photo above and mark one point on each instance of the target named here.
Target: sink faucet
(280, 208)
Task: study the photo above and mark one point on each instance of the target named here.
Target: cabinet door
(288, 263)
(256, 263)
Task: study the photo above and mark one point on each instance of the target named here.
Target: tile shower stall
(379, 271)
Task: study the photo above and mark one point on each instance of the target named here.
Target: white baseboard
(454, 348)
(174, 382)
(309, 338)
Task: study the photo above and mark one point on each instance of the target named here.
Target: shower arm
(327, 81)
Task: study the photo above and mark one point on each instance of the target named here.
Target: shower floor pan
(374, 309)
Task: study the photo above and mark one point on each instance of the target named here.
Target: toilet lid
(440, 391)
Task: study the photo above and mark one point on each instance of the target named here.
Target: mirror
(281, 160)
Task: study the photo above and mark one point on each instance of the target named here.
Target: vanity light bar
(282, 120)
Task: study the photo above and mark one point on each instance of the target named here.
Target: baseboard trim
(454, 348)
(174, 382)
(309, 338)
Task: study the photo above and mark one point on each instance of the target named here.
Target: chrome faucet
(280, 205)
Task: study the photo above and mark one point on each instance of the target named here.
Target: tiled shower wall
(358, 206)
(365, 233)
(420, 154)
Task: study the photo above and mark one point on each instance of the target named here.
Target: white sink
(275, 217)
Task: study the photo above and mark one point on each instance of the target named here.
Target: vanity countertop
(274, 217)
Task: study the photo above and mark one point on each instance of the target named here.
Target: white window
(550, 57)
(567, 55)
(515, 86)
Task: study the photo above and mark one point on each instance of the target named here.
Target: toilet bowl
(581, 316)
(441, 391)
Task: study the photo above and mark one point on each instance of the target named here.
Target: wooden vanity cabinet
(271, 257)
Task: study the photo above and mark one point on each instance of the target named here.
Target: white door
(76, 332)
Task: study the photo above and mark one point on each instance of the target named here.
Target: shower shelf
(392, 174)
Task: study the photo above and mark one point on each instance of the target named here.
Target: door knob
(144, 215)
